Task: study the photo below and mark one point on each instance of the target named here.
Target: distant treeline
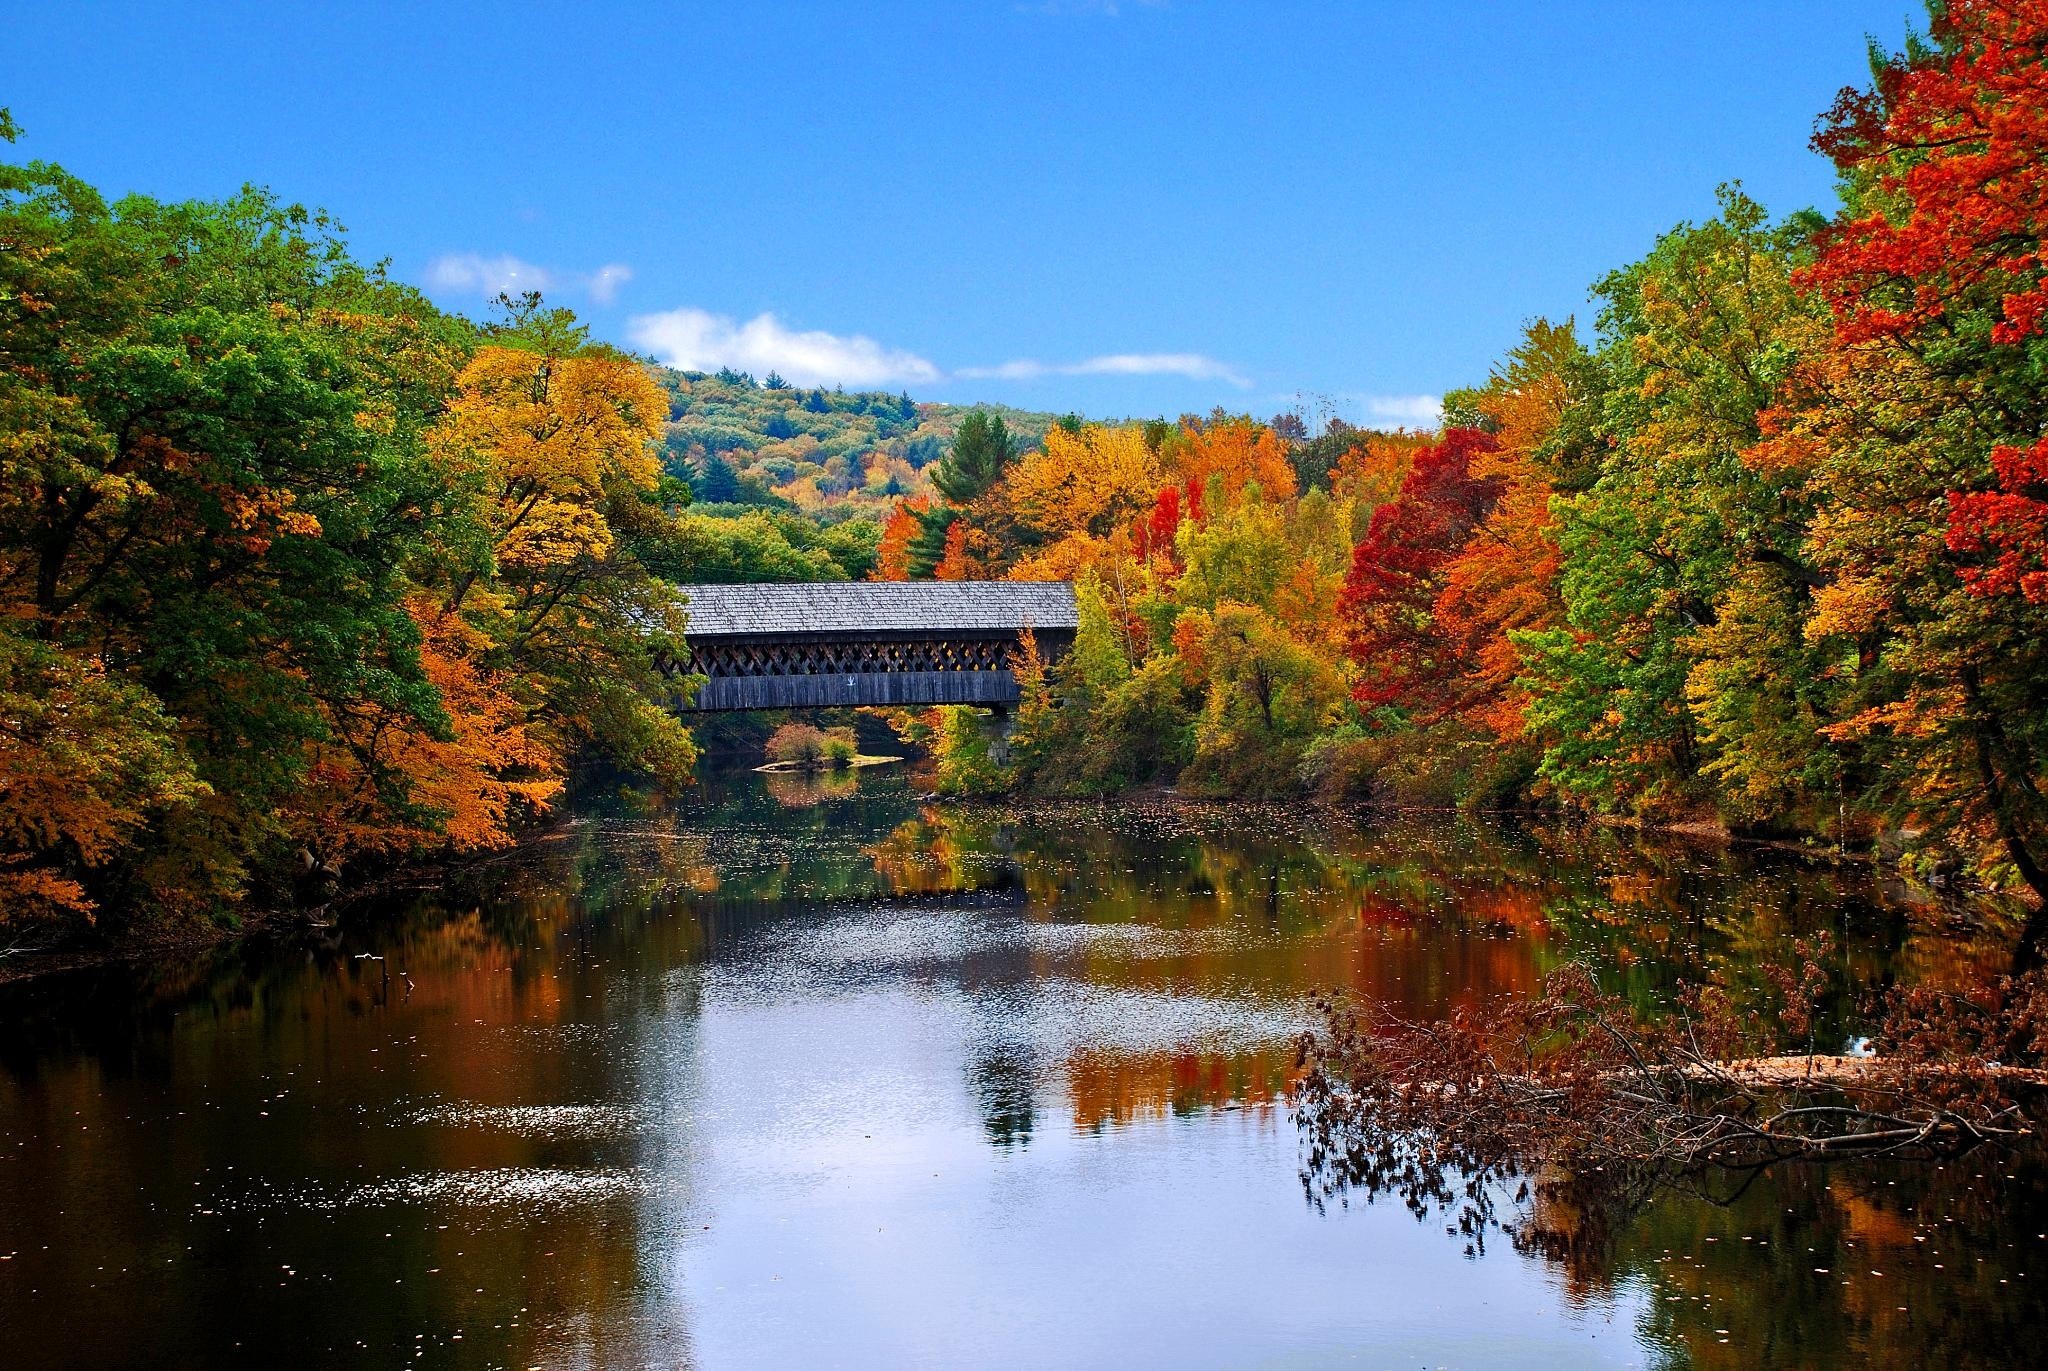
(831, 454)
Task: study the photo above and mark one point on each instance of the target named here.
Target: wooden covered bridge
(823, 644)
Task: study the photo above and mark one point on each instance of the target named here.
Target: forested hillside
(827, 453)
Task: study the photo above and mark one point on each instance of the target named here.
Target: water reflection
(792, 1079)
(804, 789)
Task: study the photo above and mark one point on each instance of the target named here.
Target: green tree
(211, 482)
(1695, 342)
(716, 482)
(981, 449)
(1268, 696)
(928, 545)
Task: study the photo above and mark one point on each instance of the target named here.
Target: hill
(829, 454)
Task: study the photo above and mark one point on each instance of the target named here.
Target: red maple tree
(1397, 573)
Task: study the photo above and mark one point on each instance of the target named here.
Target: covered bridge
(825, 644)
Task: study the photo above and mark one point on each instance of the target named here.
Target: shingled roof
(851, 608)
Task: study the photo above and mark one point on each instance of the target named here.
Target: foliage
(86, 763)
(292, 566)
(728, 545)
(982, 448)
(1396, 574)
(965, 753)
(1695, 341)
(939, 545)
(806, 745)
(1268, 695)
(1921, 415)
(824, 453)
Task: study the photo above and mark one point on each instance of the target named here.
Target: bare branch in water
(1554, 1119)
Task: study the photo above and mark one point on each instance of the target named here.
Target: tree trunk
(1985, 731)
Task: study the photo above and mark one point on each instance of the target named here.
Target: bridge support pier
(1000, 725)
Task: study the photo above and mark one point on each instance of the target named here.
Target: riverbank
(252, 920)
(1959, 912)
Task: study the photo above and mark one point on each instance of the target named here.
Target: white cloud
(604, 283)
(1416, 411)
(472, 273)
(1008, 371)
(697, 340)
(1191, 365)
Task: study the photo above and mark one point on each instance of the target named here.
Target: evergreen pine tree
(981, 449)
(717, 482)
(928, 545)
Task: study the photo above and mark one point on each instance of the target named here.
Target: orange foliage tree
(892, 552)
(1504, 580)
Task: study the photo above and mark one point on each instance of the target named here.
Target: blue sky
(1117, 208)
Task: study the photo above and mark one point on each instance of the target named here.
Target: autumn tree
(554, 439)
(211, 481)
(1682, 570)
(892, 556)
(1226, 453)
(1504, 580)
(1242, 555)
(1267, 695)
(1922, 420)
(87, 765)
(1372, 466)
(1086, 482)
(1397, 571)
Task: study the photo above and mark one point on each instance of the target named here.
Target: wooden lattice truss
(769, 657)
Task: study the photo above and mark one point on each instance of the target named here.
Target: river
(816, 1073)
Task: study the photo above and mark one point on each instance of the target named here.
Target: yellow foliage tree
(1092, 481)
(538, 641)
(1226, 455)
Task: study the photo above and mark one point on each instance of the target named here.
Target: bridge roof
(853, 608)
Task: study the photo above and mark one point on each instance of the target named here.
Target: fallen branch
(1570, 1096)
(1868, 1072)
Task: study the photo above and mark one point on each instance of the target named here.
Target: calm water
(833, 1076)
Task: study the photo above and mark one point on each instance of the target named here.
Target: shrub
(1444, 765)
(798, 743)
(808, 746)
